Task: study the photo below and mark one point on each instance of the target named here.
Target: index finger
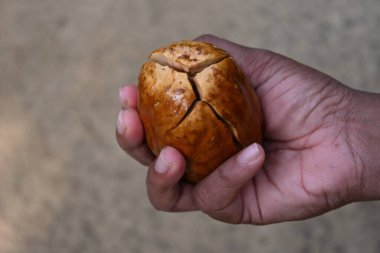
(129, 129)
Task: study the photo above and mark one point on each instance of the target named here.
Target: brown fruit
(193, 97)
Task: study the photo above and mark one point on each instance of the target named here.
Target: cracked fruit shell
(194, 97)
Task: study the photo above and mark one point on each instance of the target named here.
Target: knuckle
(225, 177)
(159, 193)
(166, 201)
(153, 182)
(149, 182)
(159, 206)
(159, 203)
(202, 199)
(154, 204)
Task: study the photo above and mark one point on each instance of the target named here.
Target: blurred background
(65, 185)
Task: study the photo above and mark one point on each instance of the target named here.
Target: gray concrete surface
(65, 186)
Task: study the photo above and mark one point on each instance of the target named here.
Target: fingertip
(129, 128)
(167, 170)
(163, 179)
(165, 191)
(128, 96)
(261, 151)
(254, 153)
(174, 155)
(170, 161)
(249, 161)
(238, 169)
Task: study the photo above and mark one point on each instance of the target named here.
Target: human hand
(311, 162)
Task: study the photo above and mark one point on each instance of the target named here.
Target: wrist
(364, 125)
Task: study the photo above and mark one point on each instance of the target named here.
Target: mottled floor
(65, 186)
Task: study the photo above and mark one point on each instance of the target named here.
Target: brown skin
(321, 148)
(207, 121)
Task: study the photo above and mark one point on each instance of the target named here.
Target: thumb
(219, 189)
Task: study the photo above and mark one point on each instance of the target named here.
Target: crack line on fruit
(194, 86)
(199, 98)
(227, 124)
(191, 108)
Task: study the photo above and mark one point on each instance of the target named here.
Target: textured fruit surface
(193, 96)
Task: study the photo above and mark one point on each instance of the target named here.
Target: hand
(311, 163)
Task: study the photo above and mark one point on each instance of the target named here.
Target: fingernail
(249, 154)
(120, 126)
(123, 100)
(161, 164)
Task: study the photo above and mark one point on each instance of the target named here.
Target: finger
(128, 96)
(165, 191)
(217, 194)
(130, 136)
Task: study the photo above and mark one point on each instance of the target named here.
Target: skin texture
(320, 145)
(193, 96)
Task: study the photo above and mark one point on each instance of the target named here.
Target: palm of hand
(308, 159)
